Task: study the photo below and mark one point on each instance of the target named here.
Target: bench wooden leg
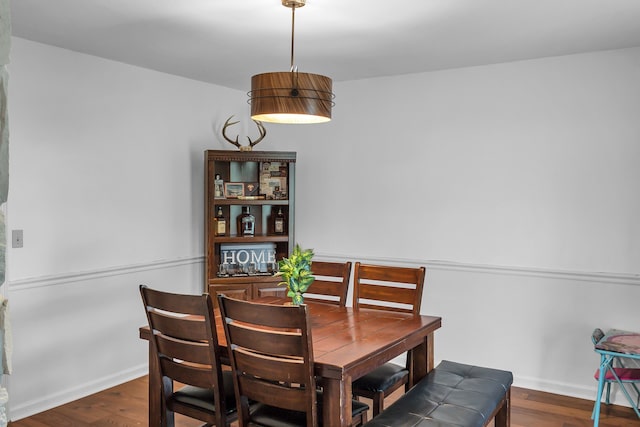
(503, 416)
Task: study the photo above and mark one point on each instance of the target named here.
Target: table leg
(336, 401)
(422, 359)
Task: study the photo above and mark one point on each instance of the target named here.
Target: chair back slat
(390, 273)
(331, 281)
(388, 287)
(266, 340)
(189, 328)
(193, 352)
(271, 355)
(388, 293)
(265, 316)
(187, 374)
(173, 303)
(269, 367)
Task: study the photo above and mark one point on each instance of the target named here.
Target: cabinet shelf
(244, 202)
(252, 239)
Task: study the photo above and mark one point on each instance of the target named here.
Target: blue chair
(614, 374)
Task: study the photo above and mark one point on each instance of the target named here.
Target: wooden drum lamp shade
(291, 97)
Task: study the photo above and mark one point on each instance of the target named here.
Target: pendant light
(291, 97)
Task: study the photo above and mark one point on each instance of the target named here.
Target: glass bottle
(219, 223)
(246, 222)
(278, 223)
(218, 187)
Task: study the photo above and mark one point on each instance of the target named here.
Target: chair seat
(380, 379)
(202, 398)
(625, 374)
(269, 416)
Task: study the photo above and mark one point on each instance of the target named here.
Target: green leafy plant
(296, 273)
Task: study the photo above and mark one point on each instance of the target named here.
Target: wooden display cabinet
(241, 171)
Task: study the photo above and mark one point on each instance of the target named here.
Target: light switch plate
(16, 239)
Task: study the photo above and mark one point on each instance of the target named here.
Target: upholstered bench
(452, 394)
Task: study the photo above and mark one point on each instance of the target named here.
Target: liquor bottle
(218, 187)
(278, 223)
(219, 223)
(246, 222)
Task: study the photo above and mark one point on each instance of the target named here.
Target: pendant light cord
(293, 26)
(294, 71)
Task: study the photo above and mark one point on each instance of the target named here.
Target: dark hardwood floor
(126, 406)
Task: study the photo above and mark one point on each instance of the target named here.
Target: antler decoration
(261, 129)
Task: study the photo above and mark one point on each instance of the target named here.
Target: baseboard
(571, 390)
(62, 397)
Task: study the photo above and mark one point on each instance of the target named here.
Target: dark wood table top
(344, 337)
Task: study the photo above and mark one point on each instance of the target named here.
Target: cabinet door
(269, 290)
(238, 291)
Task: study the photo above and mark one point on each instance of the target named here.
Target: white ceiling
(227, 41)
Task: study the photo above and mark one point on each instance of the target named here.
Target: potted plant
(296, 273)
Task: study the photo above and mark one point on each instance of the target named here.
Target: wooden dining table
(347, 344)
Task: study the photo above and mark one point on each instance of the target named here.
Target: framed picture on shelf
(233, 190)
(273, 180)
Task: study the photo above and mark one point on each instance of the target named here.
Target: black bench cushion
(453, 394)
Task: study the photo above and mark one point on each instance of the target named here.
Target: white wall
(516, 184)
(106, 160)
(530, 164)
(106, 182)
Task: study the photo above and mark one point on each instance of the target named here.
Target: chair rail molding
(632, 279)
(61, 279)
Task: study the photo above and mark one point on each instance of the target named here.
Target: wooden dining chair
(331, 282)
(271, 355)
(186, 349)
(386, 288)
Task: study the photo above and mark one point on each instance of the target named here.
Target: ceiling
(227, 41)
